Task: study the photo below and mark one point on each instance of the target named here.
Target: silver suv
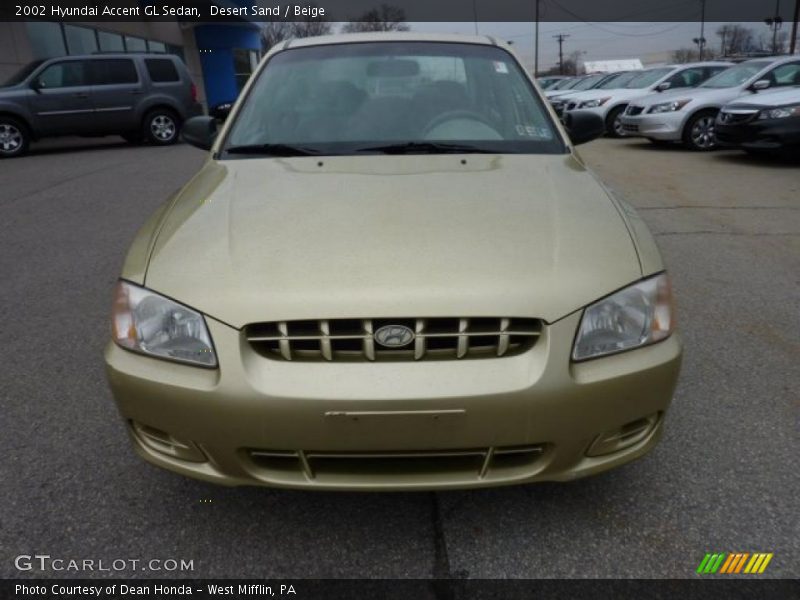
(143, 97)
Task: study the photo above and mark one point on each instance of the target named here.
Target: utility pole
(701, 41)
(536, 43)
(775, 23)
(793, 42)
(561, 37)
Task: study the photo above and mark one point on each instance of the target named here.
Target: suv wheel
(699, 134)
(161, 127)
(14, 138)
(614, 126)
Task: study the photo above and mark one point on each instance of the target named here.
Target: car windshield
(589, 82)
(619, 81)
(392, 97)
(565, 83)
(735, 75)
(647, 78)
(22, 74)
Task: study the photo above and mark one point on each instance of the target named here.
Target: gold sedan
(393, 272)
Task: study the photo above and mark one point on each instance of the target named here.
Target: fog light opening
(623, 437)
(162, 442)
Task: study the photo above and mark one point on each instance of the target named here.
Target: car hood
(387, 236)
(778, 97)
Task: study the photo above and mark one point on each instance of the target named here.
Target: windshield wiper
(427, 148)
(273, 150)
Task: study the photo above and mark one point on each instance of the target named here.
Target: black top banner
(412, 10)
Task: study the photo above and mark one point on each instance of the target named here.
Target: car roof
(99, 55)
(390, 36)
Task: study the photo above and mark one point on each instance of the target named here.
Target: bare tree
(274, 32)
(685, 55)
(384, 18)
(736, 39)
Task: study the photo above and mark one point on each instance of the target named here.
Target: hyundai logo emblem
(394, 336)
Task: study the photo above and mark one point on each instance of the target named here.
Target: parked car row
(754, 105)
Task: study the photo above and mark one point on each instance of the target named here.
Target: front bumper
(760, 135)
(661, 126)
(400, 425)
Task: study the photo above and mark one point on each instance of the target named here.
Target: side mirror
(663, 87)
(37, 85)
(221, 111)
(583, 126)
(761, 84)
(200, 132)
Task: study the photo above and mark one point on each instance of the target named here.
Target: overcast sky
(599, 40)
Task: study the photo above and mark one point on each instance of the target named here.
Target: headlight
(780, 113)
(635, 316)
(143, 321)
(664, 107)
(594, 103)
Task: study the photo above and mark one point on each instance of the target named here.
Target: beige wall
(15, 50)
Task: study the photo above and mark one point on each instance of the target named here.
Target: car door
(62, 98)
(117, 88)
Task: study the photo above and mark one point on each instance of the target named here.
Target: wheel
(161, 127)
(698, 134)
(614, 127)
(14, 137)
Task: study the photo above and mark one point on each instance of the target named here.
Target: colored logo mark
(734, 562)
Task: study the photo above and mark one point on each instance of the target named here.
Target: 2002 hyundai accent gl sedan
(393, 272)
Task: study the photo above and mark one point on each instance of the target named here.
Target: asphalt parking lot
(724, 478)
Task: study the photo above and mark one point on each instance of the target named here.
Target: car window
(345, 98)
(162, 70)
(114, 71)
(784, 75)
(687, 78)
(736, 75)
(712, 71)
(588, 82)
(647, 78)
(71, 73)
(618, 81)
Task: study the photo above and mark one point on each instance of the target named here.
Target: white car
(690, 115)
(610, 104)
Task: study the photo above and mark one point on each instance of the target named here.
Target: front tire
(161, 127)
(14, 138)
(614, 126)
(698, 134)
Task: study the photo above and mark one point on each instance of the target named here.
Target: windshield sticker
(500, 67)
(539, 133)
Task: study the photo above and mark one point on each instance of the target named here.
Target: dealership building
(220, 56)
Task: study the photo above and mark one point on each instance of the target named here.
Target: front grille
(466, 464)
(634, 110)
(737, 117)
(354, 339)
(630, 128)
